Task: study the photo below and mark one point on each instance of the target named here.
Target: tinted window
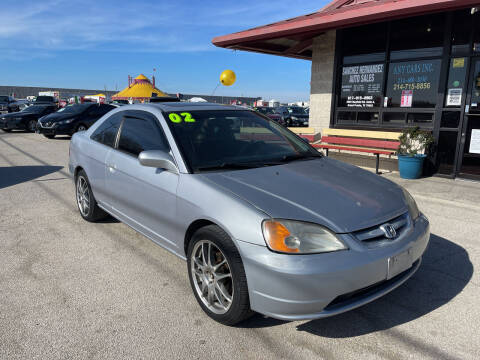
(141, 132)
(413, 83)
(107, 131)
(417, 37)
(364, 43)
(99, 110)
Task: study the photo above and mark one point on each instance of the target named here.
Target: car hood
(17, 114)
(300, 116)
(328, 192)
(54, 117)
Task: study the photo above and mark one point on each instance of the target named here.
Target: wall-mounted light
(474, 10)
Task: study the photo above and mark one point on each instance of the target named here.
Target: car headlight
(294, 118)
(297, 237)
(411, 204)
(63, 122)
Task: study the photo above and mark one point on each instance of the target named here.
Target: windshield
(297, 110)
(3, 99)
(34, 109)
(74, 109)
(234, 139)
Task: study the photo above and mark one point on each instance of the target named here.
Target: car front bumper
(302, 287)
(55, 130)
(11, 124)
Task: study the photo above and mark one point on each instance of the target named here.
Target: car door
(93, 114)
(103, 140)
(143, 197)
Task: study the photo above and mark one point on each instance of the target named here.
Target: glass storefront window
(364, 44)
(446, 149)
(362, 86)
(456, 82)
(461, 30)
(413, 83)
(416, 37)
(476, 32)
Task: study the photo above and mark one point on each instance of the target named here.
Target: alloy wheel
(83, 196)
(212, 277)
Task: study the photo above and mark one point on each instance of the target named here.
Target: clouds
(158, 26)
(93, 43)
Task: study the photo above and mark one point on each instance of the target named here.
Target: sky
(93, 44)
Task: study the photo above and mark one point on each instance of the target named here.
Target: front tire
(32, 126)
(81, 127)
(49, 136)
(87, 205)
(7, 130)
(217, 276)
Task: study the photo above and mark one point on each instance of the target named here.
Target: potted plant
(411, 152)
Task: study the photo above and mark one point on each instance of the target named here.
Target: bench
(372, 142)
(304, 132)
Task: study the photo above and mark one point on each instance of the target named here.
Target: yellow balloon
(227, 77)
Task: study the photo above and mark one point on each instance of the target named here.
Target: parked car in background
(270, 113)
(25, 119)
(294, 116)
(8, 104)
(265, 222)
(46, 100)
(72, 118)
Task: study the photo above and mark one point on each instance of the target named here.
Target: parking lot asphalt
(72, 289)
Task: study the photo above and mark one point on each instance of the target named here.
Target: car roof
(186, 106)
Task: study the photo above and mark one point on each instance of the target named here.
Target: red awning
(293, 37)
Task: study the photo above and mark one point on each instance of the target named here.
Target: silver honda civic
(265, 222)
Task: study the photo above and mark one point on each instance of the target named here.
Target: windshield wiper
(288, 158)
(228, 166)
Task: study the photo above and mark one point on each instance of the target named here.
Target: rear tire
(87, 205)
(235, 306)
(49, 136)
(7, 130)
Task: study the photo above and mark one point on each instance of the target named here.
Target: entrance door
(469, 159)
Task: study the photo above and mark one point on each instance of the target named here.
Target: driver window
(140, 131)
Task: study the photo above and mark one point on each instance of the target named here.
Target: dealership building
(386, 65)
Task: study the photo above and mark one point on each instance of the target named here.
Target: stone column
(323, 53)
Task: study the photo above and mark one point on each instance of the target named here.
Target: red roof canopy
(293, 37)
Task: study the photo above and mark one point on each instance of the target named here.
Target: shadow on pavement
(13, 175)
(446, 269)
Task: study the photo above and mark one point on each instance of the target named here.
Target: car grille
(375, 236)
(47, 124)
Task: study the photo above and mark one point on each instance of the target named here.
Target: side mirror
(158, 159)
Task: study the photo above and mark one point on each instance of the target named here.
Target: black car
(46, 100)
(25, 119)
(294, 116)
(8, 104)
(72, 118)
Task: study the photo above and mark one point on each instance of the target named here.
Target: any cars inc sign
(407, 97)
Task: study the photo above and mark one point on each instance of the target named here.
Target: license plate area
(399, 263)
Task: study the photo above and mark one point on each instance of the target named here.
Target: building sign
(454, 97)
(362, 86)
(420, 78)
(475, 142)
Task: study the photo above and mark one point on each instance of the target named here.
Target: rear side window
(140, 132)
(106, 133)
